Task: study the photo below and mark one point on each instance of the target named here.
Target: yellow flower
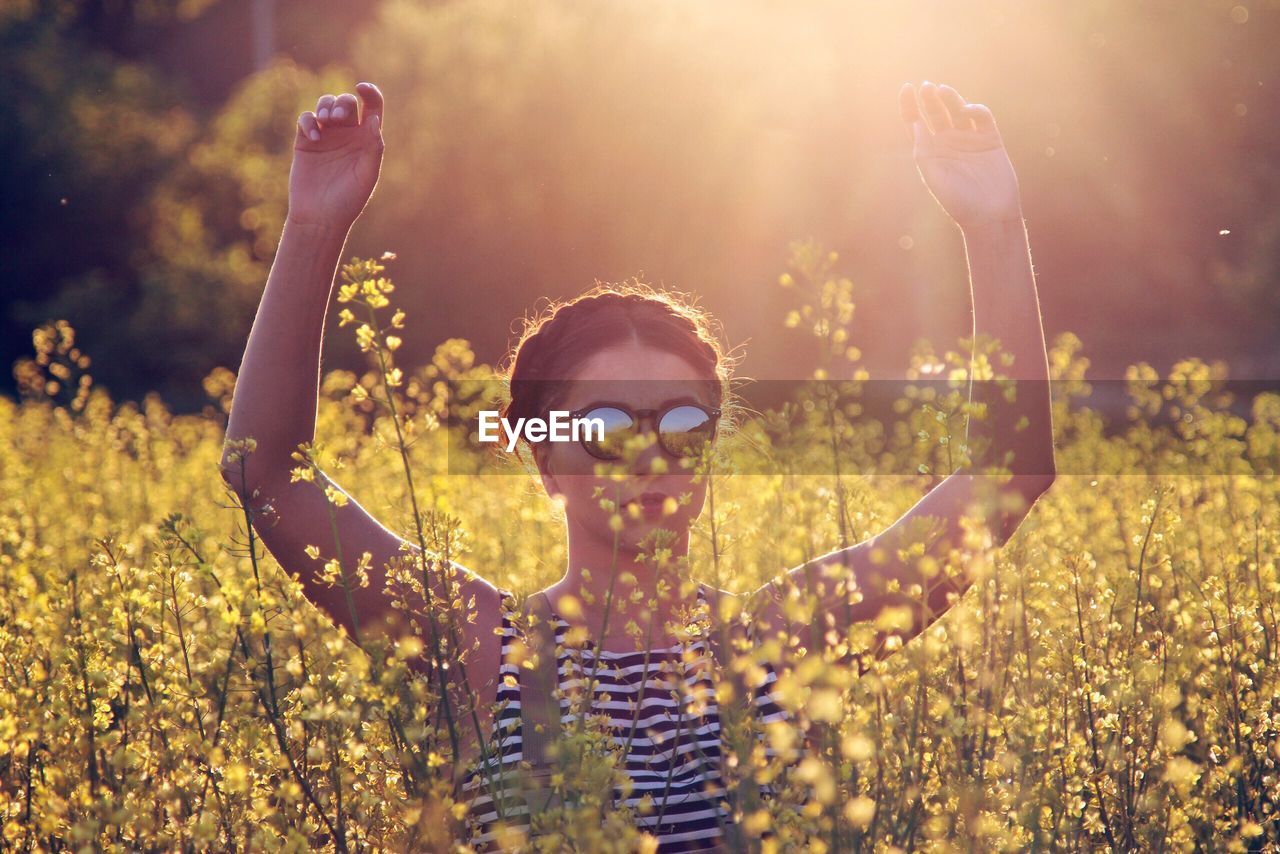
(569, 607)
(860, 811)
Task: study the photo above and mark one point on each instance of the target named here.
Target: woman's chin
(638, 533)
(642, 534)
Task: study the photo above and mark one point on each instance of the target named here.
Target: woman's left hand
(960, 155)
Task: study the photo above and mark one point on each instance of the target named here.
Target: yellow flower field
(1110, 684)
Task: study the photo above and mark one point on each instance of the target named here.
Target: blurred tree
(82, 143)
(128, 209)
(124, 27)
(535, 147)
(208, 233)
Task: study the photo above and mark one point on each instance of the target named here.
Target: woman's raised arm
(337, 156)
(963, 162)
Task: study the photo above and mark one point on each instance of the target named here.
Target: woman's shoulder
(724, 605)
(519, 613)
(508, 607)
(749, 616)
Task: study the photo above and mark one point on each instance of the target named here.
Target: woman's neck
(595, 561)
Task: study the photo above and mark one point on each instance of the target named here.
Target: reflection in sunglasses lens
(685, 431)
(617, 428)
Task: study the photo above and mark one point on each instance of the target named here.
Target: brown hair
(556, 341)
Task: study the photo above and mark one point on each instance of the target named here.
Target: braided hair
(556, 342)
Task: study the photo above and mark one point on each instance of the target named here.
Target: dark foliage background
(535, 147)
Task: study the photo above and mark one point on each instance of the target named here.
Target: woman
(594, 352)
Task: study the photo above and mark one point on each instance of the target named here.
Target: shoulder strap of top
(727, 637)
(539, 707)
(716, 632)
(723, 637)
(719, 635)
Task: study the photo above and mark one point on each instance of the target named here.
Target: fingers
(910, 110)
(308, 126)
(932, 109)
(935, 111)
(371, 99)
(323, 106)
(955, 108)
(981, 117)
(344, 112)
(337, 113)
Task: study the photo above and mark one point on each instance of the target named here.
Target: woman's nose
(650, 460)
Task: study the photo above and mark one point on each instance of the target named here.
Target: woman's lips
(650, 503)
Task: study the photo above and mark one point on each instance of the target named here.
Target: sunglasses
(684, 429)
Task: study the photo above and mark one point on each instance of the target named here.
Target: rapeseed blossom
(1110, 682)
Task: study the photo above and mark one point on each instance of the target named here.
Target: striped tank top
(673, 757)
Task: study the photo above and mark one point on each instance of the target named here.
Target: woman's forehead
(635, 361)
(644, 377)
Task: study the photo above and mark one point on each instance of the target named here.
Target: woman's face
(639, 377)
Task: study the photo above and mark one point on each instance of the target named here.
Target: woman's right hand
(337, 152)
